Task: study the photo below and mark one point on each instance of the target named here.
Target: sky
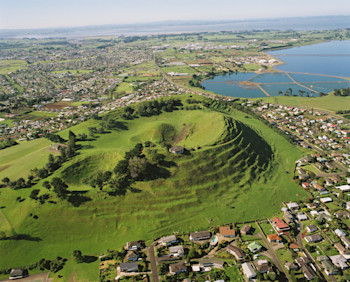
(25, 14)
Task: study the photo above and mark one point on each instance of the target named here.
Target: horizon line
(168, 21)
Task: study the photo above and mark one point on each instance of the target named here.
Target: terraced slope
(230, 173)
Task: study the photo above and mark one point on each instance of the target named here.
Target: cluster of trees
(196, 81)
(79, 258)
(7, 143)
(55, 162)
(151, 108)
(135, 166)
(59, 187)
(54, 138)
(53, 265)
(342, 92)
(341, 112)
(19, 183)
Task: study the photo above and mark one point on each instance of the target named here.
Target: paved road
(153, 263)
(284, 275)
(300, 243)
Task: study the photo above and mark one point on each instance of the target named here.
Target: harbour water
(307, 71)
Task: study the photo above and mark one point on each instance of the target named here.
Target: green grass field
(17, 161)
(330, 102)
(240, 172)
(125, 87)
(7, 66)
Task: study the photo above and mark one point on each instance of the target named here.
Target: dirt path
(42, 277)
(183, 134)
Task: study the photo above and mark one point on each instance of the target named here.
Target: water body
(329, 58)
(303, 64)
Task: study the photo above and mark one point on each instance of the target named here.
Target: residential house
(132, 256)
(17, 273)
(279, 225)
(288, 217)
(336, 179)
(294, 246)
(339, 233)
(301, 216)
(326, 200)
(342, 214)
(227, 231)
(345, 241)
(168, 240)
(329, 182)
(248, 271)
(328, 266)
(274, 238)
(133, 246)
(177, 268)
(236, 252)
(312, 205)
(212, 263)
(308, 272)
(254, 247)
(294, 205)
(313, 238)
(344, 252)
(319, 187)
(311, 228)
(262, 265)
(347, 205)
(339, 261)
(247, 229)
(291, 265)
(129, 267)
(177, 251)
(200, 235)
(343, 188)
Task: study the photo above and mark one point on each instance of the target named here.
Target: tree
(121, 168)
(83, 137)
(34, 194)
(137, 167)
(47, 185)
(59, 187)
(6, 180)
(71, 139)
(107, 176)
(42, 173)
(78, 256)
(20, 183)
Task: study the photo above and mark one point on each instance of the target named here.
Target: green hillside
(234, 169)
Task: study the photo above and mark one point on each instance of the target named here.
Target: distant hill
(299, 23)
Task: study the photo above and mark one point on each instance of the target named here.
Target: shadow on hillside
(85, 147)
(25, 237)
(155, 172)
(167, 164)
(121, 125)
(134, 190)
(77, 198)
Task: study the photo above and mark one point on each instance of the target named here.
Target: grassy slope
(160, 208)
(17, 161)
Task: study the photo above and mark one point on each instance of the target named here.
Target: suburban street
(153, 263)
